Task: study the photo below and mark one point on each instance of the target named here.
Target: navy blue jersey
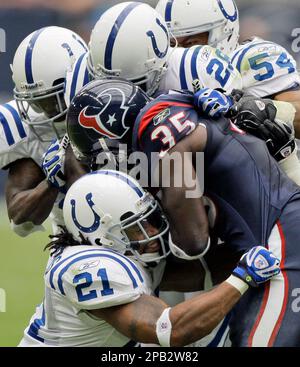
(245, 183)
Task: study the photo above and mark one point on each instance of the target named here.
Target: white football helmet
(219, 18)
(110, 209)
(130, 40)
(39, 70)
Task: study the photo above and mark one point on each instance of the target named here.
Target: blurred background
(22, 261)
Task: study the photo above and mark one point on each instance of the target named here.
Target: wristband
(238, 284)
(164, 328)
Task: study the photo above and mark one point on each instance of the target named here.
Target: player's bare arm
(73, 168)
(188, 219)
(28, 195)
(191, 320)
(294, 98)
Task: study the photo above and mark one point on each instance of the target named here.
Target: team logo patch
(89, 265)
(110, 121)
(260, 105)
(260, 262)
(205, 53)
(161, 116)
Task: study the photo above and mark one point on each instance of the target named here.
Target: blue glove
(212, 102)
(53, 162)
(257, 266)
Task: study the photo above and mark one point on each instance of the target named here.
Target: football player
(253, 201)
(131, 40)
(267, 69)
(100, 279)
(31, 121)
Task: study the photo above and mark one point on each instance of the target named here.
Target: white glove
(54, 161)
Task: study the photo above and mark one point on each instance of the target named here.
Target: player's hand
(257, 266)
(258, 117)
(212, 102)
(53, 162)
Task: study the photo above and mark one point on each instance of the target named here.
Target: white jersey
(266, 68)
(19, 141)
(85, 278)
(205, 63)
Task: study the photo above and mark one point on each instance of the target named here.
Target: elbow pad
(26, 228)
(178, 252)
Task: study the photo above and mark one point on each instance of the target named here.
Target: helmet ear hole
(58, 81)
(126, 215)
(98, 242)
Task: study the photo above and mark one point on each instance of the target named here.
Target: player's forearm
(73, 168)
(197, 317)
(32, 205)
(190, 320)
(297, 119)
(292, 97)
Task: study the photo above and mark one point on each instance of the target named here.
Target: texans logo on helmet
(110, 121)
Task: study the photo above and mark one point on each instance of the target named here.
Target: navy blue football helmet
(101, 116)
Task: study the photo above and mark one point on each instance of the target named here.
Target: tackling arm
(150, 320)
(191, 320)
(187, 217)
(29, 198)
(73, 168)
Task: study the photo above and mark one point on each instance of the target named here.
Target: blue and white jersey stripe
(204, 63)
(56, 274)
(37, 323)
(13, 129)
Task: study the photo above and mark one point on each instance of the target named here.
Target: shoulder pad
(96, 278)
(76, 79)
(266, 68)
(205, 63)
(12, 133)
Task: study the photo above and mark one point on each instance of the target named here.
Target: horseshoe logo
(158, 53)
(96, 223)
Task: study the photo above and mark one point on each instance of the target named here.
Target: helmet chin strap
(148, 259)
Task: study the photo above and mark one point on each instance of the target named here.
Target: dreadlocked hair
(64, 239)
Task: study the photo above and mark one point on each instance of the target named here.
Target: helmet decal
(96, 223)
(222, 6)
(158, 53)
(110, 127)
(68, 48)
(114, 32)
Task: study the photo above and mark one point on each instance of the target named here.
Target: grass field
(22, 263)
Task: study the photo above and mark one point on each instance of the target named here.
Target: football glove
(212, 102)
(257, 266)
(53, 162)
(258, 117)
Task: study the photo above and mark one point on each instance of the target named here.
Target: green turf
(22, 263)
